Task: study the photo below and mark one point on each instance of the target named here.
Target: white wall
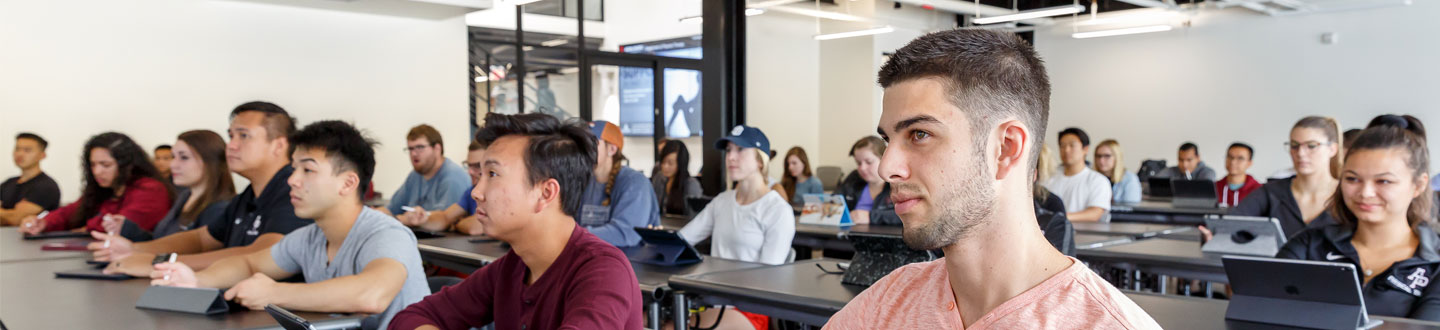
(155, 68)
(1240, 76)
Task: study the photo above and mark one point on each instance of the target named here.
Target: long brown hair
(1331, 128)
(789, 181)
(131, 163)
(1394, 132)
(210, 149)
(675, 185)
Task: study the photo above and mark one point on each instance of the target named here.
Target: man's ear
(549, 194)
(350, 183)
(281, 148)
(1013, 142)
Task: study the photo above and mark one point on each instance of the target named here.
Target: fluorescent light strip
(519, 2)
(555, 42)
(866, 32)
(1119, 32)
(819, 13)
(1029, 14)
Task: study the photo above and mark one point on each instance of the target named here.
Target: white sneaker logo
(1332, 256)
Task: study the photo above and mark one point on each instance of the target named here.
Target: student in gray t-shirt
(354, 259)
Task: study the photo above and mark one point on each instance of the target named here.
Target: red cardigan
(145, 202)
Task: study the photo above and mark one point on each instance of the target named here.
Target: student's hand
(137, 265)
(254, 292)
(32, 225)
(415, 217)
(1205, 234)
(180, 275)
(120, 248)
(112, 222)
(470, 226)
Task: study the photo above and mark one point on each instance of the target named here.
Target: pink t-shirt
(918, 296)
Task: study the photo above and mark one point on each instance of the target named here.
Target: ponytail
(616, 162)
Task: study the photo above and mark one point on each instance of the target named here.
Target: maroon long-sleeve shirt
(145, 202)
(591, 285)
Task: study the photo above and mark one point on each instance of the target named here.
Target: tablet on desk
(58, 234)
(1255, 236)
(423, 234)
(75, 245)
(1298, 293)
(1194, 193)
(91, 273)
(662, 247)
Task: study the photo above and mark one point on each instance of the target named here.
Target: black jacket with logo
(1403, 290)
(1275, 200)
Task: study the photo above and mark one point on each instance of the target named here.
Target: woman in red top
(120, 182)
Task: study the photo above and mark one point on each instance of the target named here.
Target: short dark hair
(27, 135)
(162, 147)
(427, 132)
(1250, 152)
(475, 145)
(994, 75)
(564, 151)
(278, 123)
(1078, 133)
(1349, 136)
(347, 148)
(1190, 146)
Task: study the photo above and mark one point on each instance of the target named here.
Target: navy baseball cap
(747, 137)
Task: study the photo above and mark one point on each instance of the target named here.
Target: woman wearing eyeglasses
(1299, 201)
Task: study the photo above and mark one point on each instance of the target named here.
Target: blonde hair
(1044, 169)
(1331, 128)
(1118, 172)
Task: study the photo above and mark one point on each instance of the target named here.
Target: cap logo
(737, 130)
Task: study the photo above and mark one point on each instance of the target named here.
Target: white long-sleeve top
(759, 232)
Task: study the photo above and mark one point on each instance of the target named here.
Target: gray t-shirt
(373, 236)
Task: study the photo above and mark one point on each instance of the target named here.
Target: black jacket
(884, 211)
(1056, 225)
(1274, 200)
(1403, 290)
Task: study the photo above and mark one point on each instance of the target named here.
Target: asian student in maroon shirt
(557, 275)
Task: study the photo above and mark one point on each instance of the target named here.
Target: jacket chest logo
(1413, 284)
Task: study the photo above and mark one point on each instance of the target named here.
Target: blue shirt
(466, 203)
(1128, 189)
(866, 202)
(435, 194)
(811, 186)
(632, 204)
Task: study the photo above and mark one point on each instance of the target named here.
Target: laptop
(1255, 236)
(1296, 293)
(662, 247)
(1159, 188)
(1193, 193)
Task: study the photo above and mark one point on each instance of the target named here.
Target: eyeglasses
(1309, 146)
(416, 148)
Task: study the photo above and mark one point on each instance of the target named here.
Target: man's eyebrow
(912, 121)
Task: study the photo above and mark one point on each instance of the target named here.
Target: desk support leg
(654, 314)
(682, 312)
(1135, 280)
(1164, 283)
(1208, 293)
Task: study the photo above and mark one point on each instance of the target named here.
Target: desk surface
(1139, 230)
(1162, 207)
(1176, 312)
(15, 248)
(1162, 256)
(651, 277)
(34, 299)
(1094, 241)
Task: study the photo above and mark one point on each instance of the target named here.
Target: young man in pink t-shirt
(964, 111)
